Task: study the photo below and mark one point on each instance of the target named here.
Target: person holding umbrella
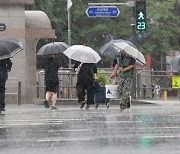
(124, 69)
(51, 66)
(86, 75)
(5, 67)
(86, 59)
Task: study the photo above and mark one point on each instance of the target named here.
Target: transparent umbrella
(130, 50)
(82, 54)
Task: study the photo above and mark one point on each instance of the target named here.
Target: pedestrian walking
(86, 73)
(157, 91)
(5, 67)
(124, 70)
(51, 66)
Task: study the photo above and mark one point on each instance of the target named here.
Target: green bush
(102, 78)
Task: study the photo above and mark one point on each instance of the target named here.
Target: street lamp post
(69, 4)
(129, 3)
(69, 32)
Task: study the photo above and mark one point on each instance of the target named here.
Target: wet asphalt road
(31, 129)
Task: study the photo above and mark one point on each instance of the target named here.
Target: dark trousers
(3, 79)
(82, 89)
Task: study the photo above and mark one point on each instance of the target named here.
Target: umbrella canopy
(175, 64)
(82, 54)
(130, 50)
(9, 47)
(53, 48)
(140, 58)
(109, 49)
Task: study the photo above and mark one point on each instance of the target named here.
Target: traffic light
(140, 15)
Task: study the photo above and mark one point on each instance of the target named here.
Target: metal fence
(13, 89)
(67, 86)
(147, 84)
(155, 85)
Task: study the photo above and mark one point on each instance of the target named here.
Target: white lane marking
(151, 137)
(121, 121)
(19, 120)
(27, 124)
(64, 139)
(72, 130)
(23, 124)
(67, 119)
(151, 128)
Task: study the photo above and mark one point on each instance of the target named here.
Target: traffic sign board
(102, 11)
(175, 82)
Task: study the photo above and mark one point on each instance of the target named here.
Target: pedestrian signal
(141, 15)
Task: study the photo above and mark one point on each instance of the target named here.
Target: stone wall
(28, 27)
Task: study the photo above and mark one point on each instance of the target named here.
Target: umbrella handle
(113, 81)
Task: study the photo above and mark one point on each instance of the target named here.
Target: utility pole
(69, 33)
(133, 22)
(129, 3)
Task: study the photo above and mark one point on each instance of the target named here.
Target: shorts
(52, 86)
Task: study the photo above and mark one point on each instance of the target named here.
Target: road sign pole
(103, 4)
(129, 3)
(69, 32)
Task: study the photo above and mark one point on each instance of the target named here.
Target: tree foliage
(161, 37)
(163, 34)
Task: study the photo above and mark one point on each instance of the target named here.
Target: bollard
(144, 91)
(19, 93)
(65, 91)
(165, 95)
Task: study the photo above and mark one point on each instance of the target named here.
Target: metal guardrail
(67, 83)
(18, 89)
(68, 79)
(147, 82)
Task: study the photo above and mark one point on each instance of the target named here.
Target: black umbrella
(109, 49)
(53, 48)
(9, 47)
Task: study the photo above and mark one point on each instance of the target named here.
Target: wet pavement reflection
(144, 129)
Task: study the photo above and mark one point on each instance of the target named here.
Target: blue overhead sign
(102, 11)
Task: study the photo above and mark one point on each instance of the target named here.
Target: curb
(75, 102)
